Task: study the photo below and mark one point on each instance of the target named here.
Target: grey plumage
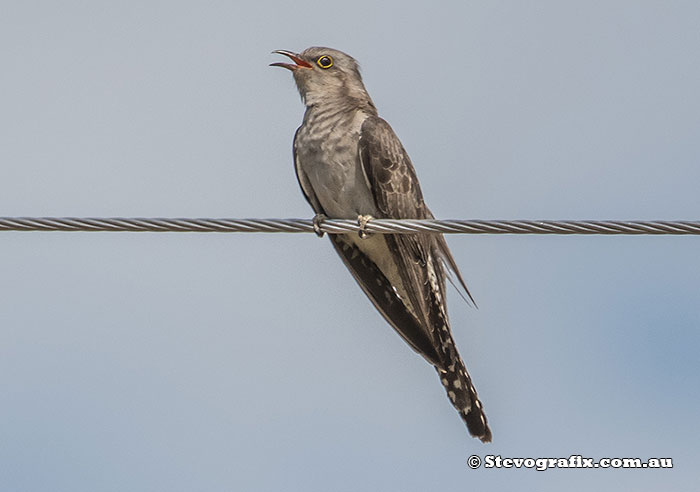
(349, 163)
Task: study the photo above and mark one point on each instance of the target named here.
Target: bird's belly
(341, 188)
(377, 250)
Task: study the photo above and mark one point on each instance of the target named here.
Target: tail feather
(453, 373)
(462, 394)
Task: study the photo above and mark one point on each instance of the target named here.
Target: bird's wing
(397, 195)
(397, 191)
(390, 172)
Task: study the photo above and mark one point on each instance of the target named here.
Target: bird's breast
(327, 153)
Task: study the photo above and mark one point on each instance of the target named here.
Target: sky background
(179, 362)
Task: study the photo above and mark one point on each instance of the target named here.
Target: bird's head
(326, 76)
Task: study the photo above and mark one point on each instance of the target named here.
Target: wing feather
(398, 195)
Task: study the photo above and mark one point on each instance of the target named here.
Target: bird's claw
(317, 220)
(362, 221)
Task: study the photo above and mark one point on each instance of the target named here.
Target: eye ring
(325, 61)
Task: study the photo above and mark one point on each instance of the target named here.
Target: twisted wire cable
(374, 226)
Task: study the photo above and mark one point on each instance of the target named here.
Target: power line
(374, 226)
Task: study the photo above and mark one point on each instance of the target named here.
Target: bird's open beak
(299, 63)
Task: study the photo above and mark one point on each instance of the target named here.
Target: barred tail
(453, 373)
(462, 394)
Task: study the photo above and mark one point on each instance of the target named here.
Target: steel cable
(374, 226)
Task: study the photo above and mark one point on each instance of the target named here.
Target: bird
(351, 165)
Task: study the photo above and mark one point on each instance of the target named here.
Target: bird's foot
(362, 221)
(317, 220)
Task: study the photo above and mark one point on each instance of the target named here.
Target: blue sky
(253, 362)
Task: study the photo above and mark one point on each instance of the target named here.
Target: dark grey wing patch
(390, 172)
(397, 195)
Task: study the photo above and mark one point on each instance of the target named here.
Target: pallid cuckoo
(350, 164)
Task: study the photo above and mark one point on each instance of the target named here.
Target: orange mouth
(298, 62)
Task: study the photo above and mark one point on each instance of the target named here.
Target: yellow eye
(325, 61)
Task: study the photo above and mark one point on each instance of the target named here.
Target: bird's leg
(362, 221)
(317, 220)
